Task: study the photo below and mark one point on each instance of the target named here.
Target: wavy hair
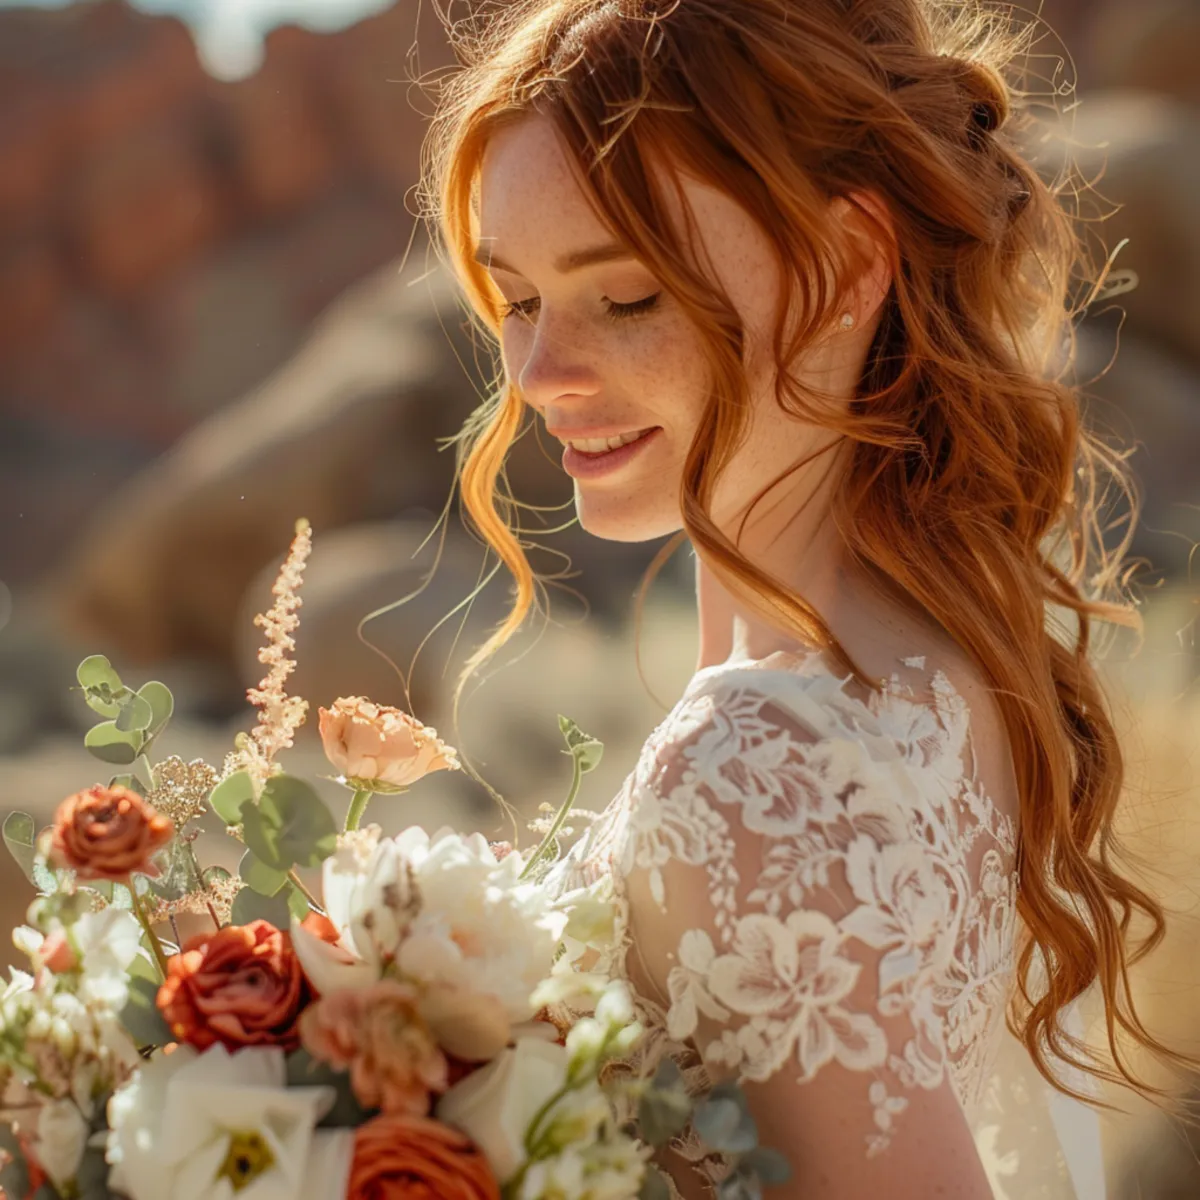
(973, 483)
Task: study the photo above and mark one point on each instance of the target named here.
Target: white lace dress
(817, 885)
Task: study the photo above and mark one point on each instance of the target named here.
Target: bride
(777, 276)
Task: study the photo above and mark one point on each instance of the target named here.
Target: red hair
(973, 483)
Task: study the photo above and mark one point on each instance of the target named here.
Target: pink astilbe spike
(281, 714)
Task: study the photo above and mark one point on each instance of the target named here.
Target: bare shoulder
(920, 657)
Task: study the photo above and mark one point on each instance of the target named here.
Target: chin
(625, 523)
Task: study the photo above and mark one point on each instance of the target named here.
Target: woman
(777, 276)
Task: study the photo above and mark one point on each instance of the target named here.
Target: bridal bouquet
(387, 1039)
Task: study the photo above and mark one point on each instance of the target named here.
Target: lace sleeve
(798, 895)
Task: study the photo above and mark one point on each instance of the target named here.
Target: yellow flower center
(247, 1158)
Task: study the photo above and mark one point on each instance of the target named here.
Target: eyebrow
(611, 252)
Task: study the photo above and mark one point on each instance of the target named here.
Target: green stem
(294, 876)
(358, 806)
(139, 911)
(559, 818)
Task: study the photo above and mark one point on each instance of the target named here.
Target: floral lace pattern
(823, 848)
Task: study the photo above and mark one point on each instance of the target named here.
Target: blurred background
(218, 314)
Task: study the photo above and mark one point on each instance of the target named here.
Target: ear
(866, 220)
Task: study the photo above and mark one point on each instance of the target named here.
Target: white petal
(328, 1168)
(329, 968)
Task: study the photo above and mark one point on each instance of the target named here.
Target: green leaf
(141, 1016)
(97, 672)
(665, 1105)
(290, 825)
(106, 708)
(266, 881)
(144, 772)
(249, 906)
(769, 1165)
(302, 1070)
(162, 704)
(178, 876)
(724, 1122)
(654, 1185)
(18, 837)
(14, 1177)
(136, 714)
(112, 745)
(297, 905)
(229, 795)
(579, 744)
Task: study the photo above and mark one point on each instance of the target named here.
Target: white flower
(480, 929)
(495, 1105)
(366, 887)
(62, 1133)
(604, 1170)
(208, 1126)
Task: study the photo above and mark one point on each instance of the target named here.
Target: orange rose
(377, 744)
(107, 832)
(240, 986)
(395, 1063)
(403, 1158)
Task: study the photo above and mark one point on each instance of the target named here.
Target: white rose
(495, 1105)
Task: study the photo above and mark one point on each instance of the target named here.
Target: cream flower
(367, 887)
(495, 1105)
(214, 1125)
(480, 929)
(380, 747)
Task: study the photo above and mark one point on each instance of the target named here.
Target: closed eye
(616, 312)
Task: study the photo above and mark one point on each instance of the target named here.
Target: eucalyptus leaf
(723, 1121)
(298, 906)
(654, 1186)
(97, 672)
(144, 773)
(14, 1177)
(249, 906)
(135, 714)
(662, 1113)
(112, 745)
(106, 708)
(141, 1017)
(739, 1184)
(161, 701)
(290, 825)
(769, 1165)
(18, 833)
(229, 795)
(8, 1140)
(302, 1070)
(255, 873)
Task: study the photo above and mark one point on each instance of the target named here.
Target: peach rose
(107, 832)
(401, 1158)
(240, 986)
(395, 1063)
(375, 744)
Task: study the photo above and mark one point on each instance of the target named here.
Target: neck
(731, 630)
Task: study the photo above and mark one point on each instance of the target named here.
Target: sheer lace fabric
(817, 886)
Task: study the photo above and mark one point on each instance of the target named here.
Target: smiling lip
(579, 465)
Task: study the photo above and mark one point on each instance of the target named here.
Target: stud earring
(847, 320)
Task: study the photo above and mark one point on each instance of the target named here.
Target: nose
(555, 366)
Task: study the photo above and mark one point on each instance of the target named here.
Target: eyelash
(616, 312)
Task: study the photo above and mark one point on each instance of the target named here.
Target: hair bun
(989, 96)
